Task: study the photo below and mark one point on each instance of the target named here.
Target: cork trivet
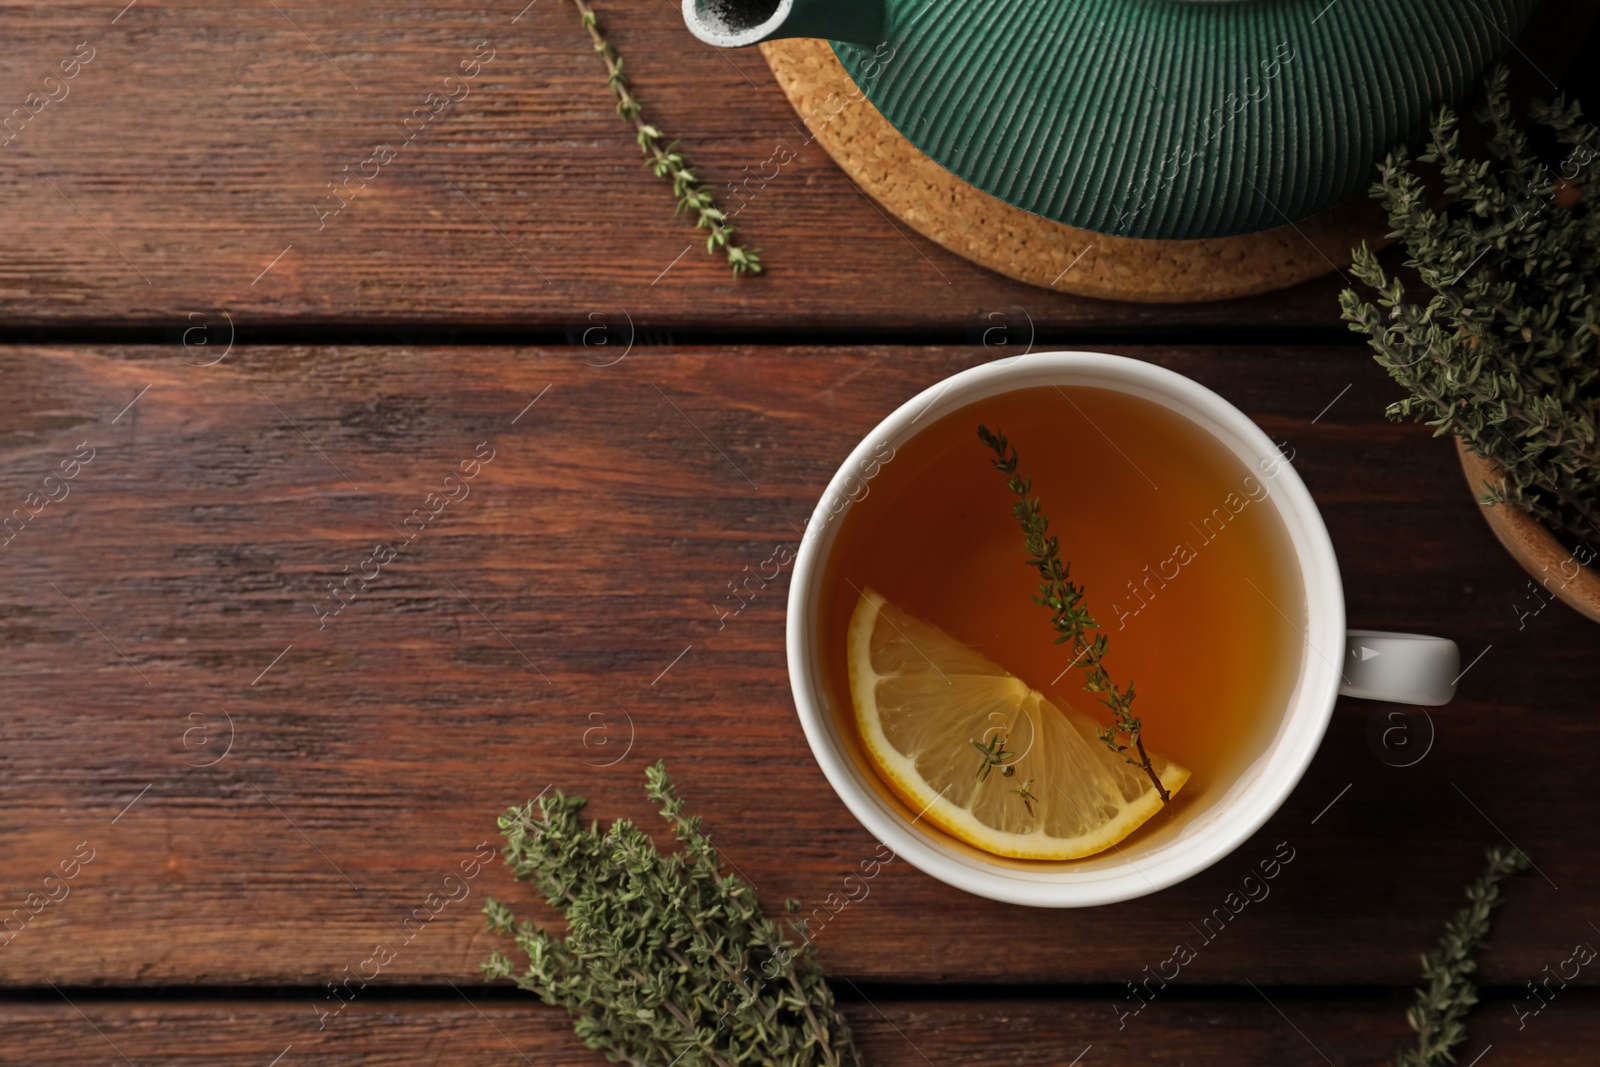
(1034, 249)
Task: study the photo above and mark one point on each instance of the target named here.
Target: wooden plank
(1287, 1031)
(186, 170)
(172, 592)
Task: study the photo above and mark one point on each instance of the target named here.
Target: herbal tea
(936, 654)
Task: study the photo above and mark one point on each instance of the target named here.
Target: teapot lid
(1174, 119)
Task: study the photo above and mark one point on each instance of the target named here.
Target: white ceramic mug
(1407, 668)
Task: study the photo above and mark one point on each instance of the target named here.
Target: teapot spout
(738, 23)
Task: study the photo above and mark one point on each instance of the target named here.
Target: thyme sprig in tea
(1024, 793)
(1070, 618)
(995, 754)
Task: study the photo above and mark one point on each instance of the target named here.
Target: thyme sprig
(1503, 349)
(666, 162)
(1069, 616)
(666, 960)
(994, 754)
(1024, 792)
(1442, 1005)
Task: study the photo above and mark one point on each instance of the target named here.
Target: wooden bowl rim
(1532, 544)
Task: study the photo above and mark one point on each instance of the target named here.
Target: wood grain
(445, 1033)
(575, 589)
(186, 171)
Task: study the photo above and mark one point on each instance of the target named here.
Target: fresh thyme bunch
(666, 960)
(1069, 617)
(1442, 1006)
(666, 161)
(1505, 352)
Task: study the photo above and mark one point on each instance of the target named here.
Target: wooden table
(267, 787)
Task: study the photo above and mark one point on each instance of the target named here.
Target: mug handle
(1402, 668)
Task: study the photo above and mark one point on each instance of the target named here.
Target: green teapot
(1166, 119)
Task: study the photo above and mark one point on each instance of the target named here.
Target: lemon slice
(921, 700)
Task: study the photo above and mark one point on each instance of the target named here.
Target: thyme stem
(1069, 617)
(694, 196)
(1442, 1005)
